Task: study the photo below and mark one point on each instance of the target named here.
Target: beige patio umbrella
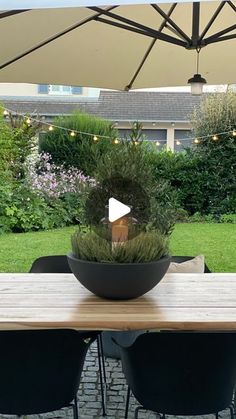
(126, 46)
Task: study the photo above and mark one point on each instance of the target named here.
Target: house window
(57, 89)
(182, 134)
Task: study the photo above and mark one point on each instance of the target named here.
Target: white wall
(168, 126)
(26, 89)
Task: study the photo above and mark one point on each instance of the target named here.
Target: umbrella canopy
(119, 47)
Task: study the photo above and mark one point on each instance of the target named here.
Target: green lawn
(216, 241)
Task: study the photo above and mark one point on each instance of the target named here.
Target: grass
(215, 241)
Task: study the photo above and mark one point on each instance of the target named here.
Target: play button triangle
(117, 210)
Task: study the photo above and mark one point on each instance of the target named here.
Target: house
(165, 115)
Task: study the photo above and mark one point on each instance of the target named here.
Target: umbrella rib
(51, 39)
(173, 30)
(128, 87)
(122, 26)
(12, 12)
(220, 39)
(181, 33)
(217, 35)
(195, 24)
(211, 21)
(153, 32)
(232, 5)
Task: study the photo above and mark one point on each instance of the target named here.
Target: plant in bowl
(132, 264)
(126, 270)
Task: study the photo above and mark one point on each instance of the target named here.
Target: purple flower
(53, 180)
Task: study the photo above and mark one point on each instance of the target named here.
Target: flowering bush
(49, 197)
(54, 181)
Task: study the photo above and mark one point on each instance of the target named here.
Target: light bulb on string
(116, 141)
(28, 121)
(196, 141)
(215, 137)
(72, 133)
(136, 142)
(50, 128)
(158, 143)
(95, 138)
(178, 142)
(5, 112)
(234, 132)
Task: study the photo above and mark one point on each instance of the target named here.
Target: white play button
(117, 210)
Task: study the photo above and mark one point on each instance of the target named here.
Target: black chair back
(181, 259)
(182, 373)
(51, 264)
(40, 369)
(59, 264)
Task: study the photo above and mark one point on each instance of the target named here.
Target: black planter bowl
(118, 281)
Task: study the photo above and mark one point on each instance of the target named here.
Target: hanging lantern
(197, 81)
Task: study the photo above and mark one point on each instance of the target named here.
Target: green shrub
(217, 168)
(17, 141)
(21, 210)
(147, 247)
(204, 176)
(202, 218)
(7, 145)
(6, 192)
(228, 218)
(181, 171)
(80, 151)
(182, 215)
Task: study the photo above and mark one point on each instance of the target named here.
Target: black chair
(41, 370)
(59, 264)
(181, 259)
(181, 373)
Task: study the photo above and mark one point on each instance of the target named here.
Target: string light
(73, 133)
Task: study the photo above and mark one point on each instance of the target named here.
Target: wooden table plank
(180, 301)
(174, 318)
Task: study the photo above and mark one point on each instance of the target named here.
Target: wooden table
(180, 301)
